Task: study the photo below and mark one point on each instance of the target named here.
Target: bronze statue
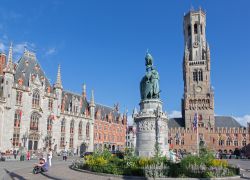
(149, 86)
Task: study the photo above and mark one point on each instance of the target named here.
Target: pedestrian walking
(65, 155)
(28, 155)
(49, 156)
(15, 153)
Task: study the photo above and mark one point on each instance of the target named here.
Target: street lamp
(24, 138)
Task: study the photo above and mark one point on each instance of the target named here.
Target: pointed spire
(58, 79)
(92, 99)
(84, 90)
(10, 67)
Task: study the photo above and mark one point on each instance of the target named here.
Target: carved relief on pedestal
(146, 125)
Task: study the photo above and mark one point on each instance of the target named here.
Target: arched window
(195, 76)
(87, 130)
(63, 126)
(244, 142)
(17, 119)
(80, 130)
(235, 143)
(228, 142)
(36, 99)
(201, 29)
(34, 120)
(195, 29)
(72, 127)
(189, 30)
(182, 141)
(200, 74)
(49, 124)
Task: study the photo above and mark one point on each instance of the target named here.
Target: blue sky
(103, 43)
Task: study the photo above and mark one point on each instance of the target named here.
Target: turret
(8, 79)
(58, 90)
(92, 106)
(84, 91)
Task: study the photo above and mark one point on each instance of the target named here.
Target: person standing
(65, 155)
(15, 153)
(28, 155)
(49, 156)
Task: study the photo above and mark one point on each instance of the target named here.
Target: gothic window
(49, 124)
(15, 139)
(195, 29)
(228, 142)
(72, 127)
(195, 76)
(182, 141)
(19, 95)
(200, 75)
(34, 120)
(71, 142)
(189, 30)
(201, 29)
(177, 141)
(80, 130)
(87, 130)
(244, 143)
(36, 99)
(221, 142)
(63, 126)
(50, 104)
(17, 119)
(235, 143)
(62, 141)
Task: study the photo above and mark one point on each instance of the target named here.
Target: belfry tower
(198, 95)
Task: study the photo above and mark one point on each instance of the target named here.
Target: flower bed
(204, 166)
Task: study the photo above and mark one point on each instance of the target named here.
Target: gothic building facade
(35, 114)
(198, 124)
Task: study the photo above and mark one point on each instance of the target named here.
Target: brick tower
(198, 94)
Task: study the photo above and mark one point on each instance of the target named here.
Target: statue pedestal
(151, 129)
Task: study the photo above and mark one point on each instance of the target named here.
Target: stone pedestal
(151, 129)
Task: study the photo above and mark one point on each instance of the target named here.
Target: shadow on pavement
(14, 175)
(50, 177)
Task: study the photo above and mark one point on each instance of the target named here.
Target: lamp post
(25, 138)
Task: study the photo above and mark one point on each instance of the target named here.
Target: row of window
(98, 136)
(106, 127)
(197, 75)
(195, 29)
(35, 100)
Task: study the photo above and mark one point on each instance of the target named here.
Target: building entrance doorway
(33, 142)
(83, 148)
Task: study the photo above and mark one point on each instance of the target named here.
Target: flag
(195, 121)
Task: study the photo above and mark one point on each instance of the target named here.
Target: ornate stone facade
(35, 114)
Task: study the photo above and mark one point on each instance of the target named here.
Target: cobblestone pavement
(244, 165)
(60, 171)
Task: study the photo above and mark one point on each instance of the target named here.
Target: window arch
(195, 75)
(34, 121)
(200, 75)
(72, 127)
(80, 130)
(17, 119)
(49, 124)
(36, 99)
(63, 126)
(195, 29)
(87, 130)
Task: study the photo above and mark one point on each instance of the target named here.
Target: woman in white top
(49, 157)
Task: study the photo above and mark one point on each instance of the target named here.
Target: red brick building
(109, 128)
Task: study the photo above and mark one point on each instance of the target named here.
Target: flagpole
(197, 133)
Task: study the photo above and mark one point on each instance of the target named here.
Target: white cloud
(19, 48)
(243, 120)
(175, 114)
(51, 51)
